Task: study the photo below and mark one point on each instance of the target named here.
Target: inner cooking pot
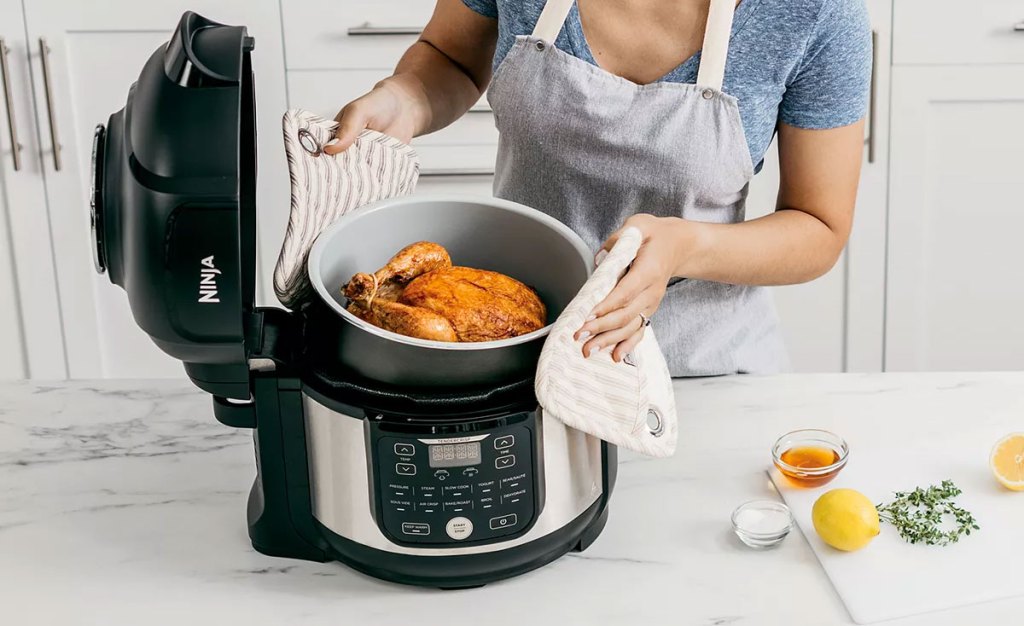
(484, 233)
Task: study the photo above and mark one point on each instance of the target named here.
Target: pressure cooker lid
(174, 200)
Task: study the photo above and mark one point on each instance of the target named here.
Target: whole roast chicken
(419, 293)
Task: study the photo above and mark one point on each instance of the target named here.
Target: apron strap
(715, 49)
(551, 19)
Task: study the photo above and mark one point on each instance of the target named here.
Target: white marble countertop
(124, 502)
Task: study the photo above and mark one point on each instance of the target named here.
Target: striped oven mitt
(326, 187)
(629, 404)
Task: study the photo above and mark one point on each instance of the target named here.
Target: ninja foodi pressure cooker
(412, 461)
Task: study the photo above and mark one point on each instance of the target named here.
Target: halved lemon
(1007, 461)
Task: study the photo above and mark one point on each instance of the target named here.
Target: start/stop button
(459, 528)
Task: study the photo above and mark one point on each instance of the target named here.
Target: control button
(500, 443)
(428, 506)
(405, 469)
(401, 505)
(459, 528)
(470, 472)
(504, 521)
(452, 491)
(505, 462)
(405, 449)
(415, 528)
(441, 474)
(428, 490)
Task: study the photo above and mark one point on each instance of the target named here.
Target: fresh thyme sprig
(918, 515)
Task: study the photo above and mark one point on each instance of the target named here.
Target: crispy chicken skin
(405, 320)
(420, 294)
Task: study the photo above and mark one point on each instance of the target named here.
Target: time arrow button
(505, 461)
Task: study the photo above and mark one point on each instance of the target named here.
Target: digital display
(455, 454)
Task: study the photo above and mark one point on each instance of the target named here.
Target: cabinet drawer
(930, 32)
(468, 144)
(334, 34)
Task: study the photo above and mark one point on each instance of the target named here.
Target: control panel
(447, 490)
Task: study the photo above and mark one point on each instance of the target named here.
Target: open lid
(174, 201)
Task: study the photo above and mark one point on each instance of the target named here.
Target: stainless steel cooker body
(352, 489)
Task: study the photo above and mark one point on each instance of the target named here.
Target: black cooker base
(470, 570)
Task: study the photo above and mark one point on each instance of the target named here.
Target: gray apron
(591, 149)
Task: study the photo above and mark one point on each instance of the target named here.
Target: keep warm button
(505, 461)
(505, 521)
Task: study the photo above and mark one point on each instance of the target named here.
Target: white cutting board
(891, 578)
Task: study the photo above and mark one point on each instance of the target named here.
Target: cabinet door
(954, 295)
(31, 341)
(93, 56)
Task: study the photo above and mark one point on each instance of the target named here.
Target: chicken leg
(387, 282)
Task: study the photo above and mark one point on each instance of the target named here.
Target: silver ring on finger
(644, 321)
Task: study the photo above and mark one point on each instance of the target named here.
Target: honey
(802, 465)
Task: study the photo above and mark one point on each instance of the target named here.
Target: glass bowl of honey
(810, 457)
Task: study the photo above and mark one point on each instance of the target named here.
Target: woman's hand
(616, 322)
(390, 108)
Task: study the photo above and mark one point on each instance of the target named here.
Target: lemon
(845, 519)
(1007, 461)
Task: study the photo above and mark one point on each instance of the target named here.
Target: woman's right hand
(389, 108)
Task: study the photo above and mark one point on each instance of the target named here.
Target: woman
(606, 129)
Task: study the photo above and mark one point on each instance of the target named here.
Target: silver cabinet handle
(367, 28)
(12, 127)
(44, 53)
(872, 103)
(454, 172)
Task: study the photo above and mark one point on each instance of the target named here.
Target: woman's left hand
(616, 322)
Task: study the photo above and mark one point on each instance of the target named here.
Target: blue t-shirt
(806, 63)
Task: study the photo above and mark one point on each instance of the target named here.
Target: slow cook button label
(455, 491)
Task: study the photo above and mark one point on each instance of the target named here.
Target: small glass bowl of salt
(762, 523)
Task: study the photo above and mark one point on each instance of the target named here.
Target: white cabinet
(83, 61)
(31, 340)
(955, 300)
(956, 197)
